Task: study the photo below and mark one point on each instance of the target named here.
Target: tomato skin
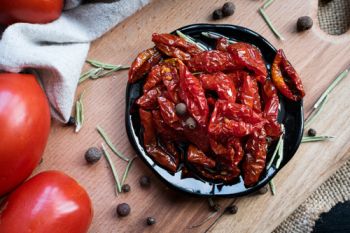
(25, 126)
(29, 11)
(49, 202)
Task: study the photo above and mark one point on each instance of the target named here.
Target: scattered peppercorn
(180, 109)
(126, 188)
(263, 190)
(71, 121)
(150, 221)
(92, 155)
(311, 132)
(232, 209)
(217, 14)
(228, 9)
(123, 210)
(145, 181)
(191, 123)
(304, 23)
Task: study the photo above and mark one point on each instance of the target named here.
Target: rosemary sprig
(315, 112)
(110, 144)
(269, 23)
(315, 138)
(280, 153)
(272, 187)
(79, 113)
(277, 149)
(101, 70)
(126, 172)
(340, 77)
(114, 171)
(191, 40)
(214, 35)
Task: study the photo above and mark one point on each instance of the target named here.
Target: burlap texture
(334, 18)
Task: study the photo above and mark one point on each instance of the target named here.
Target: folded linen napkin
(57, 50)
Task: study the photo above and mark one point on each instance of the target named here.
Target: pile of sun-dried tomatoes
(219, 102)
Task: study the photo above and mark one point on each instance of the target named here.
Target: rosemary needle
(267, 4)
(272, 187)
(114, 171)
(110, 144)
(79, 112)
(269, 23)
(315, 138)
(127, 169)
(214, 35)
(191, 40)
(340, 77)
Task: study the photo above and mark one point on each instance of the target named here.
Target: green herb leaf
(191, 40)
(125, 175)
(315, 138)
(269, 23)
(339, 78)
(114, 171)
(278, 151)
(267, 4)
(272, 187)
(315, 112)
(79, 113)
(214, 35)
(110, 144)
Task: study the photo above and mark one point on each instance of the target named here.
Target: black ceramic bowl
(290, 114)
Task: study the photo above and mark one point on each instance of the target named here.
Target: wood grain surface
(317, 57)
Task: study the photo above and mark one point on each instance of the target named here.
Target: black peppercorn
(145, 181)
(71, 121)
(304, 23)
(232, 209)
(217, 14)
(180, 109)
(191, 123)
(92, 155)
(123, 210)
(228, 9)
(150, 221)
(311, 132)
(263, 190)
(126, 188)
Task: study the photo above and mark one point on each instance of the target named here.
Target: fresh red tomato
(50, 202)
(24, 128)
(29, 11)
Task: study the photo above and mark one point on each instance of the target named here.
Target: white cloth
(57, 50)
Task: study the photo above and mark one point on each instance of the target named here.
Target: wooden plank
(317, 57)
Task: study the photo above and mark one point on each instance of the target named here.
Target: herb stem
(269, 23)
(315, 138)
(191, 40)
(272, 187)
(114, 171)
(339, 78)
(127, 169)
(110, 144)
(79, 112)
(278, 150)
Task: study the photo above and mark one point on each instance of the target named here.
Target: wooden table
(317, 57)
